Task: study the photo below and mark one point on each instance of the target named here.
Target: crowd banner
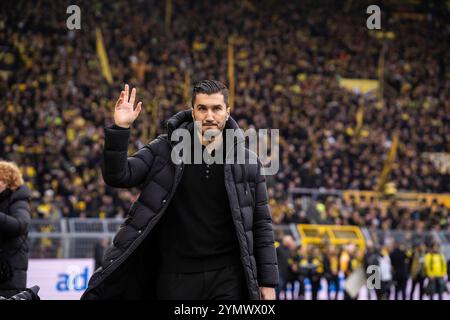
(102, 56)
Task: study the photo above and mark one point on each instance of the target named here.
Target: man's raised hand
(124, 111)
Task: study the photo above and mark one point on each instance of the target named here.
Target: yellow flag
(359, 121)
(381, 76)
(384, 176)
(186, 86)
(168, 16)
(231, 70)
(102, 56)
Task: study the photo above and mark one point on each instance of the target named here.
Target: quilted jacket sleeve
(118, 169)
(264, 248)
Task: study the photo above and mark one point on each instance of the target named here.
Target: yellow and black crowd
(288, 62)
(289, 58)
(423, 265)
(372, 213)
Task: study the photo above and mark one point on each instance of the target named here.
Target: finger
(120, 100)
(138, 108)
(126, 97)
(132, 96)
(119, 103)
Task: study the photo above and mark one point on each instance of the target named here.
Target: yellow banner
(410, 15)
(102, 56)
(318, 234)
(359, 85)
(404, 199)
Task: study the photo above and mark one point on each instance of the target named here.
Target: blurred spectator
(418, 270)
(399, 268)
(436, 269)
(370, 259)
(284, 253)
(385, 274)
(331, 271)
(99, 251)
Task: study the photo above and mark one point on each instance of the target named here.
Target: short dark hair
(210, 87)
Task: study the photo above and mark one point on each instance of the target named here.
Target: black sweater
(197, 234)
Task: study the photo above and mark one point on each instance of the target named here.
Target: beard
(210, 133)
(209, 130)
(213, 129)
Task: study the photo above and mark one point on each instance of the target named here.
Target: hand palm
(124, 111)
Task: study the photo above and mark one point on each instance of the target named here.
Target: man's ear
(193, 117)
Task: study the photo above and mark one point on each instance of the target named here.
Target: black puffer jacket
(14, 222)
(128, 269)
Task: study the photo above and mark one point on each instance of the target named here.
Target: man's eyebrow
(215, 105)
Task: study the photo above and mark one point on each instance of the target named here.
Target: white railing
(76, 238)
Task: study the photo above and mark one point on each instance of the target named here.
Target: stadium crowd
(371, 213)
(288, 62)
(420, 264)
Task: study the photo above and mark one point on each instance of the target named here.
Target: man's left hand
(267, 293)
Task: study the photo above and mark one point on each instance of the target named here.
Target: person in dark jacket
(284, 252)
(196, 231)
(417, 270)
(316, 261)
(300, 271)
(400, 267)
(331, 271)
(370, 260)
(99, 251)
(14, 221)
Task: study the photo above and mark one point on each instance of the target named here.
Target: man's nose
(209, 115)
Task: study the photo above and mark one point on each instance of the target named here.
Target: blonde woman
(14, 220)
